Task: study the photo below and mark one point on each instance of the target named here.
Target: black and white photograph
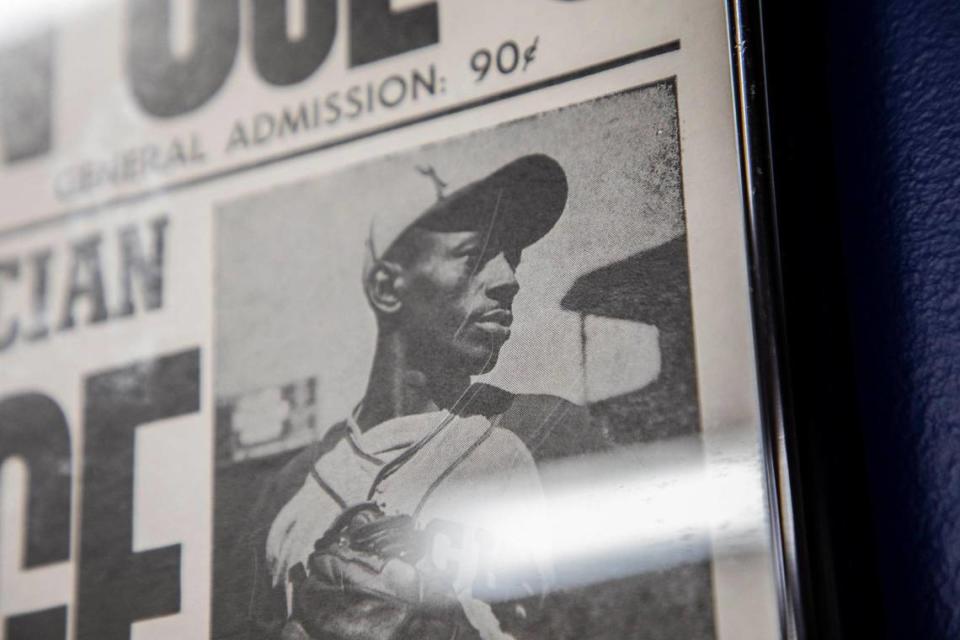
(392, 319)
(422, 361)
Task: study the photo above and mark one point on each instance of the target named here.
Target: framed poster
(373, 319)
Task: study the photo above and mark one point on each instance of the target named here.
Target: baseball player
(382, 530)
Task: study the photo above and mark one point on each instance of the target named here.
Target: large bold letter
(115, 585)
(281, 61)
(48, 624)
(33, 427)
(167, 86)
(26, 97)
(376, 32)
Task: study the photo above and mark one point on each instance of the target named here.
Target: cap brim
(522, 200)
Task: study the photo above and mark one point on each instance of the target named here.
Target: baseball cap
(524, 198)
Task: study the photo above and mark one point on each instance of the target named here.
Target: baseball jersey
(546, 426)
(453, 474)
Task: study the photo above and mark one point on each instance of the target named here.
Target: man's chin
(487, 366)
(479, 361)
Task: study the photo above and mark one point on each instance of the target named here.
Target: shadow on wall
(651, 287)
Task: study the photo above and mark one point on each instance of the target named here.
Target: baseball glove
(362, 584)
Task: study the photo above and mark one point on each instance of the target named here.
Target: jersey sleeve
(552, 427)
(247, 604)
(523, 525)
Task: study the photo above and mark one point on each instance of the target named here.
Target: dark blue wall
(894, 67)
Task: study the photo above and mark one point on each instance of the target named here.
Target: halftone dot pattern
(289, 301)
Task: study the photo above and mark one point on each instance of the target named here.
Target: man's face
(457, 298)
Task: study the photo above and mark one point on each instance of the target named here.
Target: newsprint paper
(376, 319)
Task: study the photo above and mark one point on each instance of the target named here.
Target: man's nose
(501, 279)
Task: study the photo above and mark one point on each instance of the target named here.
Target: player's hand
(362, 584)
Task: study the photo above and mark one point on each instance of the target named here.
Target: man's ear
(383, 287)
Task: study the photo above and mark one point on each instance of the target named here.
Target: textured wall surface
(896, 91)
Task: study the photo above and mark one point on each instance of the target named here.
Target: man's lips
(496, 316)
(495, 323)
